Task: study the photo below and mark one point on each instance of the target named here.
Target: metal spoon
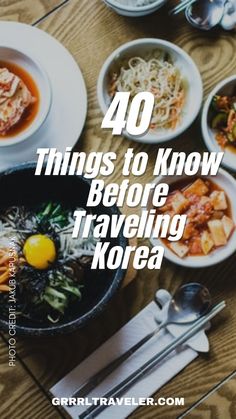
(205, 14)
(189, 303)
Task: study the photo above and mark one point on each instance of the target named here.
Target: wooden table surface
(91, 32)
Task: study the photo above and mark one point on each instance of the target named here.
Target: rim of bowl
(162, 44)
(120, 6)
(98, 307)
(211, 142)
(37, 122)
(201, 261)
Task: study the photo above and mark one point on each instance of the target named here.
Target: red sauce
(32, 110)
(194, 242)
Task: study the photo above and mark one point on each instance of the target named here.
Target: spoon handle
(96, 379)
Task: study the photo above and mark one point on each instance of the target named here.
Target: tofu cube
(228, 225)
(180, 249)
(204, 200)
(218, 200)
(189, 231)
(206, 242)
(198, 187)
(179, 202)
(217, 215)
(217, 232)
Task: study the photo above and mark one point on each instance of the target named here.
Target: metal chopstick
(97, 378)
(180, 7)
(122, 387)
(92, 382)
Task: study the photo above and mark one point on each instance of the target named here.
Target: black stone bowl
(19, 186)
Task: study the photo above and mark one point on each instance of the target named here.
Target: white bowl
(228, 184)
(134, 11)
(226, 87)
(182, 61)
(40, 77)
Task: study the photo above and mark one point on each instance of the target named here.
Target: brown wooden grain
(21, 397)
(91, 32)
(26, 11)
(220, 404)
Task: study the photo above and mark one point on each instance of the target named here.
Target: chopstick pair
(125, 385)
(180, 7)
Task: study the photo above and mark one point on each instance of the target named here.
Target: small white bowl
(183, 62)
(40, 77)
(228, 184)
(225, 87)
(134, 11)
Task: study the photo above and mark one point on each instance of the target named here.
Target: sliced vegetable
(214, 104)
(54, 214)
(230, 137)
(4, 269)
(60, 291)
(4, 288)
(219, 120)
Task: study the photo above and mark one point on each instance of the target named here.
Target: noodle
(158, 76)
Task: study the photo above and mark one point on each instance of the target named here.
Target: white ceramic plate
(228, 184)
(69, 98)
(225, 87)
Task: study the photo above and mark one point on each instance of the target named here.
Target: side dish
(209, 221)
(19, 99)
(156, 74)
(224, 120)
(50, 267)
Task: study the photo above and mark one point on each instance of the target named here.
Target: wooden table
(91, 32)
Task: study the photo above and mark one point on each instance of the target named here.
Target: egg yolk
(39, 251)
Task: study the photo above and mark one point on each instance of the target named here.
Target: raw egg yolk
(39, 251)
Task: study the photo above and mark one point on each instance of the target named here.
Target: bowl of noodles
(163, 69)
(45, 274)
